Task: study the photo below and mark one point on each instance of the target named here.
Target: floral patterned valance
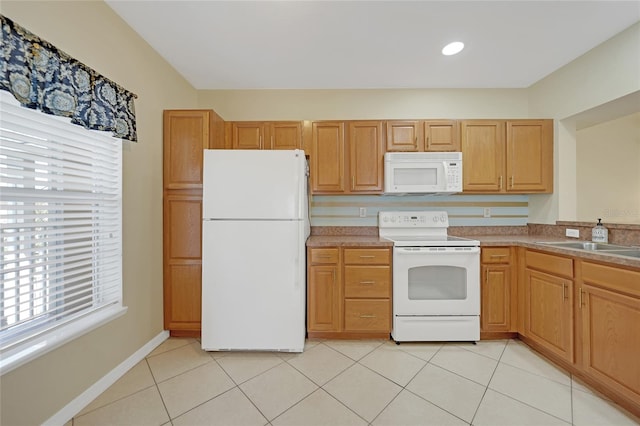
(40, 76)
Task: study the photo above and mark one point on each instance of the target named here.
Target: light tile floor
(350, 383)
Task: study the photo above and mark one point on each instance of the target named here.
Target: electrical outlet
(573, 233)
(363, 212)
(486, 212)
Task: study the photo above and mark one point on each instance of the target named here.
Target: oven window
(437, 283)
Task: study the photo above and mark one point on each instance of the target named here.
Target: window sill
(31, 349)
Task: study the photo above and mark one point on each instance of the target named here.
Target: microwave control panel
(454, 175)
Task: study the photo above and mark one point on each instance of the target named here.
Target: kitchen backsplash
(463, 210)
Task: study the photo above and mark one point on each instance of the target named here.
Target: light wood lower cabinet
(349, 292)
(323, 288)
(548, 302)
(497, 293)
(609, 316)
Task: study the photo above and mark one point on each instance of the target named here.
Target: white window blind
(61, 226)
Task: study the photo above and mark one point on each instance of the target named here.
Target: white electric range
(436, 278)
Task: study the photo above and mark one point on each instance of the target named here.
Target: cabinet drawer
(324, 255)
(550, 263)
(367, 281)
(367, 256)
(367, 315)
(496, 255)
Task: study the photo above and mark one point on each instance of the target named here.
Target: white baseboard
(75, 406)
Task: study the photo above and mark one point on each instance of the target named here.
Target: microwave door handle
(445, 166)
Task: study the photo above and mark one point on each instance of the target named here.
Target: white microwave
(422, 172)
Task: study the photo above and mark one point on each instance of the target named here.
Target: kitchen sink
(628, 252)
(585, 245)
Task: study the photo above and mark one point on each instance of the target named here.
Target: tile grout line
(486, 388)
(159, 393)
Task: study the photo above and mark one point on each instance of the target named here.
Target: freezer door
(247, 184)
(253, 285)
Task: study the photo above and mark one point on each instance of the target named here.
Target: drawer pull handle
(368, 256)
(367, 316)
(499, 255)
(324, 256)
(367, 282)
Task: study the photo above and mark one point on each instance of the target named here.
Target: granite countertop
(348, 240)
(529, 241)
(532, 241)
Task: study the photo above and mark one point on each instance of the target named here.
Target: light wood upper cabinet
(366, 156)
(327, 156)
(529, 166)
(442, 135)
(186, 133)
(482, 155)
(507, 156)
(285, 135)
(265, 134)
(247, 135)
(347, 161)
(404, 135)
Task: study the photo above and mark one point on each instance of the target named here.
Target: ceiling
(372, 44)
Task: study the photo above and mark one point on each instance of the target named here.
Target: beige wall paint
(365, 104)
(92, 33)
(608, 171)
(608, 72)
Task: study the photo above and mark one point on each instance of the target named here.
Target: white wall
(608, 171)
(92, 33)
(603, 75)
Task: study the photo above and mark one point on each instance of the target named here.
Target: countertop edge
(527, 241)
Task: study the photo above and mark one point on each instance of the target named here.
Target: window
(61, 231)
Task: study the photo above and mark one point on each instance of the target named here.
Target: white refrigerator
(254, 229)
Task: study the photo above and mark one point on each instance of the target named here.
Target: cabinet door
(365, 156)
(529, 156)
(185, 135)
(482, 155)
(495, 298)
(183, 262)
(323, 308)
(548, 312)
(285, 135)
(611, 338)
(442, 135)
(404, 136)
(327, 157)
(247, 135)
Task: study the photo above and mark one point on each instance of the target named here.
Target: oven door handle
(441, 250)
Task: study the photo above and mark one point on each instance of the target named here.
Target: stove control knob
(435, 219)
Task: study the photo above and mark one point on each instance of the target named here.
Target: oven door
(436, 281)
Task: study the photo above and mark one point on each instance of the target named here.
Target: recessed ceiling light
(453, 48)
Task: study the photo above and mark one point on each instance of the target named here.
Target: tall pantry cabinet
(186, 134)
